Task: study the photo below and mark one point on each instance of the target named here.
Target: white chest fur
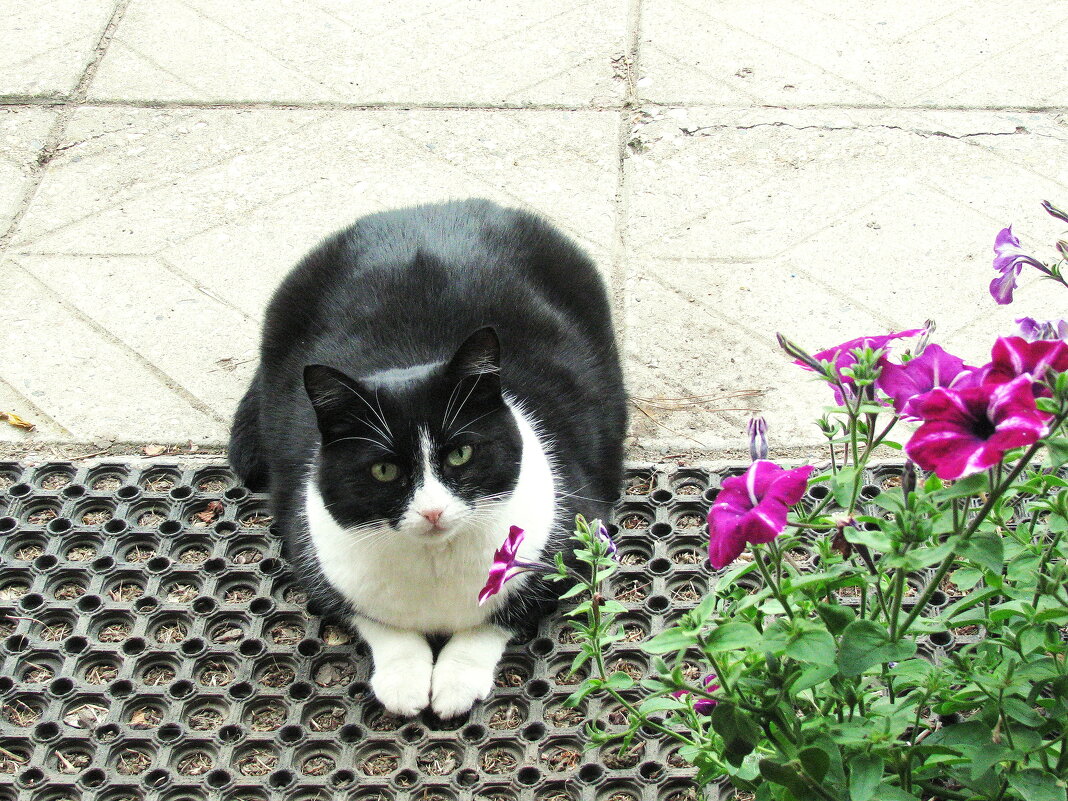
(433, 587)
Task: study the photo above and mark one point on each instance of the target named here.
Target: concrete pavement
(736, 168)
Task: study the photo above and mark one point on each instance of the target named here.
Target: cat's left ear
(477, 366)
(480, 353)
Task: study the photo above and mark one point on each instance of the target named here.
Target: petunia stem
(772, 585)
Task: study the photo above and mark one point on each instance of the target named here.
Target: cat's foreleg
(464, 671)
(403, 664)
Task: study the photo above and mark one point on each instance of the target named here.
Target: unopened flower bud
(758, 438)
(1062, 248)
(1053, 211)
(925, 337)
(795, 351)
(908, 478)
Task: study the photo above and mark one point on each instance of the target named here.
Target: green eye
(385, 471)
(459, 456)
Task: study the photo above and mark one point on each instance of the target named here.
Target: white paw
(403, 687)
(458, 685)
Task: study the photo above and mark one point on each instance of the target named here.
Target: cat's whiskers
(468, 426)
(376, 412)
(380, 444)
(460, 408)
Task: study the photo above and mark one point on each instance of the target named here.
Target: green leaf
(660, 703)
(730, 636)
(573, 591)
(865, 643)
(1036, 785)
(739, 732)
(986, 550)
(1018, 710)
(1058, 451)
(815, 762)
(673, 639)
(812, 645)
(835, 616)
(972, 485)
(865, 774)
(889, 792)
(813, 675)
(619, 681)
(843, 485)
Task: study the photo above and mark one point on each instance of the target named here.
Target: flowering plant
(920, 652)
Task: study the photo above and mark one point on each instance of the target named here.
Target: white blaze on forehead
(431, 493)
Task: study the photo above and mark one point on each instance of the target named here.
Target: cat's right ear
(333, 396)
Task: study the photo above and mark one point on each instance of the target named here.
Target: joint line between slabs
(170, 383)
(37, 411)
(65, 110)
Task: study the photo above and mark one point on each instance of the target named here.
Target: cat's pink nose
(433, 516)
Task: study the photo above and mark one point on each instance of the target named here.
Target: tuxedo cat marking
(428, 378)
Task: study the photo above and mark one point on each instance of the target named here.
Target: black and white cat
(428, 378)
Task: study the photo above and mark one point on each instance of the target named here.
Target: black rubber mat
(155, 646)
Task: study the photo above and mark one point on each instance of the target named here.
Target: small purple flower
(1032, 330)
(967, 431)
(841, 356)
(702, 706)
(758, 438)
(606, 538)
(1009, 259)
(904, 382)
(751, 508)
(505, 566)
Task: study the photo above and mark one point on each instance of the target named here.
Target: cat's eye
(385, 471)
(459, 456)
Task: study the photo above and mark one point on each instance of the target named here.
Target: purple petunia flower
(841, 356)
(505, 566)
(1015, 356)
(702, 706)
(1032, 330)
(752, 508)
(1009, 259)
(933, 368)
(967, 431)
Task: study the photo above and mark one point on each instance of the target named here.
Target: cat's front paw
(403, 688)
(457, 686)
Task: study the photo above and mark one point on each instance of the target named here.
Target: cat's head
(421, 451)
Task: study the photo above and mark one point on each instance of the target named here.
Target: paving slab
(44, 47)
(169, 229)
(886, 52)
(429, 51)
(822, 225)
(22, 135)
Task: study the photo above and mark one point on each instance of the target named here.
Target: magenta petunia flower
(751, 508)
(1033, 330)
(967, 431)
(841, 356)
(505, 566)
(1015, 356)
(702, 706)
(932, 368)
(1009, 260)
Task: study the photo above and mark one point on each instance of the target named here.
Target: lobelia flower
(841, 356)
(1032, 330)
(751, 508)
(1015, 356)
(967, 431)
(932, 368)
(702, 706)
(505, 565)
(1009, 259)
(758, 438)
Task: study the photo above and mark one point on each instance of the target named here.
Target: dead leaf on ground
(15, 420)
(86, 717)
(211, 512)
(153, 450)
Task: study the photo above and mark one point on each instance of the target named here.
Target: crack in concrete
(923, 132)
